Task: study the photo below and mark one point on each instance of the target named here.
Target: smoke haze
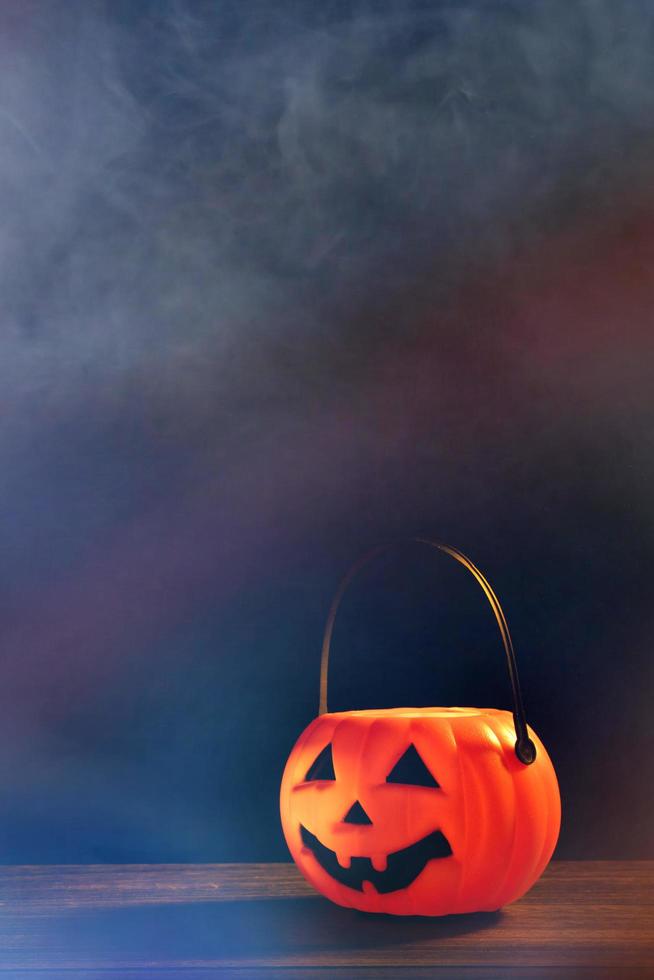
(278, 283)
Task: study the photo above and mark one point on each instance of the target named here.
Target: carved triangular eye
(411, 770)
(323, 765)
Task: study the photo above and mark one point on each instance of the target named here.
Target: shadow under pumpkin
(208, 931)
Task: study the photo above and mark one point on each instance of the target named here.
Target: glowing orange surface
(501, 818)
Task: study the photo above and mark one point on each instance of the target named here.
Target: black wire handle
(524, 747)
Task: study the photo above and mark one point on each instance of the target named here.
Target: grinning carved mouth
(402, 868)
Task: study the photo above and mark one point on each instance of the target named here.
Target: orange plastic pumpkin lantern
(421, 811)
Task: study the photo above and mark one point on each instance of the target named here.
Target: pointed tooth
(343, 859)
(379, 862)
(368, 888)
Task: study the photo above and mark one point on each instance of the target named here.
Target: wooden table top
(583, 919)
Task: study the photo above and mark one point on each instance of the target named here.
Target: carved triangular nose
(356, 814)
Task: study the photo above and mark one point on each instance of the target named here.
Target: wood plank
(355, 973)
(592, 918)
(32, 889)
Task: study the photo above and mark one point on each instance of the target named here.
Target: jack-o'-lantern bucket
(421, 811)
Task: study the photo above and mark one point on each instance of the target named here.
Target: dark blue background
(280, 282)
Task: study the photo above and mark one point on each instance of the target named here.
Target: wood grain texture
(583, 919)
